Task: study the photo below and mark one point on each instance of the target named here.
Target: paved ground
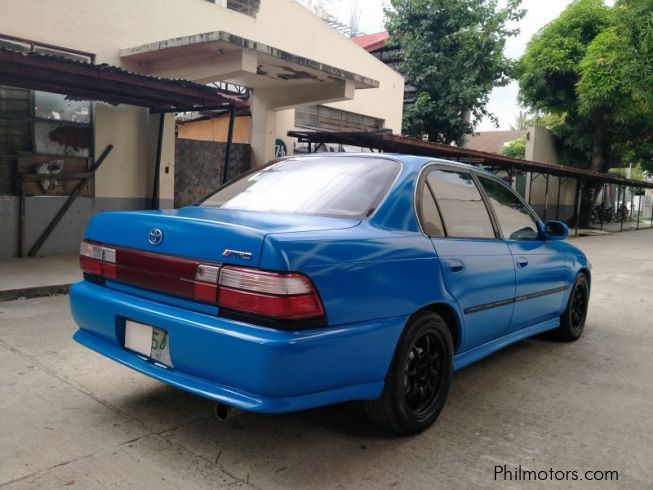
(37, 276)
(69, 418)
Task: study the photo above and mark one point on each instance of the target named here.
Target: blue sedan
(326, 278)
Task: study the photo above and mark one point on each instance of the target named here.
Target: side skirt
(466, 358)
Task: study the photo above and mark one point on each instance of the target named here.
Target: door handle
(521, 261)
(455, 265)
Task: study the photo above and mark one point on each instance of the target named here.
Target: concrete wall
(40, 210)
(200, 166)
(540, 147)
(565, 210)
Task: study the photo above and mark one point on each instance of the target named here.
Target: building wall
(216, 129)
(126, 179)
(106, 27)
(540, 147)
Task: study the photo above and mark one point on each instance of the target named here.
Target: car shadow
(338, 436)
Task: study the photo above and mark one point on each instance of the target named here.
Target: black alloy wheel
(572, 321)
(417, 384)
(423, 373)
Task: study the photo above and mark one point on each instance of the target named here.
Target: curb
(35, 292)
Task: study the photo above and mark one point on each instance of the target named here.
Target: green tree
(635, 173)
(515, 148)
(452, 52)
(591, 69)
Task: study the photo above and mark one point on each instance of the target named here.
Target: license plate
(150, 341)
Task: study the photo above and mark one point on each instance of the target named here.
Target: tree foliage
(591, 69)
(452, 52)
(515, 148)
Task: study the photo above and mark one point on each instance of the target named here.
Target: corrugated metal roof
(385, 141)
(372, 42)
(106, 83)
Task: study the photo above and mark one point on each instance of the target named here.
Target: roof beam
(205, 68)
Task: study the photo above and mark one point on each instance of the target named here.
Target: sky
(503, 101)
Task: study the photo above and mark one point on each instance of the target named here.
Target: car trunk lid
(204, 234)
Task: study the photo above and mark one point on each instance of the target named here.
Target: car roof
(411, 161)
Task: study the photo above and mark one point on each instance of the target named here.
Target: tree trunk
(597, 164)
(598, 148)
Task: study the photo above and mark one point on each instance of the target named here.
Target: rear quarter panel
(362, 273)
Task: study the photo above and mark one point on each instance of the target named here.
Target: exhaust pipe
(224, 412)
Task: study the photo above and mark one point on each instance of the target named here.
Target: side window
(429, 214)
(514, 218)
(463, 210)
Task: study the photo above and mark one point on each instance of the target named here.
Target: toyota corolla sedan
(322, 279)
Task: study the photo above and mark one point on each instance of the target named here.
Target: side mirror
(555, 230)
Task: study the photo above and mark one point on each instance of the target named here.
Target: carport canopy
(384, 140)
(101, 82)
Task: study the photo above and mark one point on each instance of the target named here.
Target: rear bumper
(253, 368)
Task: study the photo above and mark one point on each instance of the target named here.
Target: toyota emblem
(155, 236)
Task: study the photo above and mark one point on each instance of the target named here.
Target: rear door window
(347, 187)
(429, 214)
(463, 210)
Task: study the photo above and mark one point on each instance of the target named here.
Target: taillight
(244, 292)
(97, 260)
(284, 296)
(206, 283)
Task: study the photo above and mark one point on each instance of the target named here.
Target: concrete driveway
(69, 418)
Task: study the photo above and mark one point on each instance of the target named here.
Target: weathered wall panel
(198, 168)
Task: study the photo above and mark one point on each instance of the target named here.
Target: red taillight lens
(273, 295)
(285, 296)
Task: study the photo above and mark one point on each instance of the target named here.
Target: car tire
(572, 320)
(417, 384)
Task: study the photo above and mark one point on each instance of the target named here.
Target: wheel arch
(450, 317)
(588, 275)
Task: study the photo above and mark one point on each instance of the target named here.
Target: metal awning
(385, 141)
(106, 83)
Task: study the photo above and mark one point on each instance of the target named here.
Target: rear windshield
(345, 187)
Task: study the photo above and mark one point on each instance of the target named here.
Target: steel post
(230, 139)
(546, 196)
(623, 206)
(579, 192)
(558, 200)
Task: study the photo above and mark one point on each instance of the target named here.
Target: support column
(264, 126)
(166, 197)
(602, 210)
(546, 196)
(230, 139)
(622, 205)
(558, 200)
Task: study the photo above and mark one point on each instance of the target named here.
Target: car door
(476, 265)
(539, 264)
